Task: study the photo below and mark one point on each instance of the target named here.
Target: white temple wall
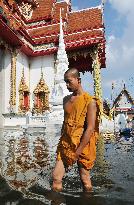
(22, 62)
(6, 83)
(47, 64)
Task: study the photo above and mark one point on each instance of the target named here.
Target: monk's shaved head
(73, 72)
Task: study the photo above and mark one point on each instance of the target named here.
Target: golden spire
(41, 73)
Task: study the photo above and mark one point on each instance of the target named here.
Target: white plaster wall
(121, 121)
(6, 82)
(22, 61)
(47, 64)
(15, 121)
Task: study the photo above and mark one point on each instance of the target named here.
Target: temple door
(26, 100)
(41, 99)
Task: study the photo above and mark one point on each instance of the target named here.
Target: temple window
(41, 97)
(24, 100)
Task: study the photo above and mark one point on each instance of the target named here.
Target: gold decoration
(23, 89)
(13, 78)
(26, 9)
(41, 92)
(97, 75)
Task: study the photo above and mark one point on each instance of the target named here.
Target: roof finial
(124, 86)
(102, 5)
(103, 2)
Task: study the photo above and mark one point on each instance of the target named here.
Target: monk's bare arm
(91, 118)
(65, 100)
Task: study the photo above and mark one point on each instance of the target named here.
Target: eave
(8, 35)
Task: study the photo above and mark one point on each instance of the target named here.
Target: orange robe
(72, 130)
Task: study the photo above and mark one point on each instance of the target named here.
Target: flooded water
(27, 158)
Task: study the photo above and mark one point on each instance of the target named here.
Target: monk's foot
(87, 188)
(57, 185)
(57, 189)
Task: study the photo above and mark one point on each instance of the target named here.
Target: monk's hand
(74, 158)
(78, 153)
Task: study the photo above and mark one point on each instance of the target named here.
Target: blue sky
(119, 28)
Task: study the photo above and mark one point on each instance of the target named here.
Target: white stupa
(60, 90)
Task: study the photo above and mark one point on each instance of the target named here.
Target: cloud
(120, 50)
(123, 7)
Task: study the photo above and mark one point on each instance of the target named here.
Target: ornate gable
(124, 99)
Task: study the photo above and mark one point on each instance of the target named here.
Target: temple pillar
(13, 80)
(96, 65)
(96, 73)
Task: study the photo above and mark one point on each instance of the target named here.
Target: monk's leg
(57, 176)
(85, 179)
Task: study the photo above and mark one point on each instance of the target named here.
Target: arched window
(24, 100)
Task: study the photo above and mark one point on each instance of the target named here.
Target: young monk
(79, 132)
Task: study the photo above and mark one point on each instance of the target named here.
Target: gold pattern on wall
(24, 100)
(13, 78)
(41, 93)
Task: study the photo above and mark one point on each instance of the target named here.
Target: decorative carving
(32, 2)
(26, 9)
(12, 101)
(97, 75)
(24, 100)
(41, 92)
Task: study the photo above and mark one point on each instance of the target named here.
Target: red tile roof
(80, 25)
(85, 19)
(81, 28)
(44, 10)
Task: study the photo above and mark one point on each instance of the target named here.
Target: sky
(119, 30)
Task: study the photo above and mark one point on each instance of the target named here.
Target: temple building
(123, 107)
(39, 40)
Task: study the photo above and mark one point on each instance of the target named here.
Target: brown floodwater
(27, 158)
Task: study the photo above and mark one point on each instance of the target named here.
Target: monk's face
(72, 82)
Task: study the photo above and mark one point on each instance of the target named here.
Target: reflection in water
(27, 160)
(23, 158)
